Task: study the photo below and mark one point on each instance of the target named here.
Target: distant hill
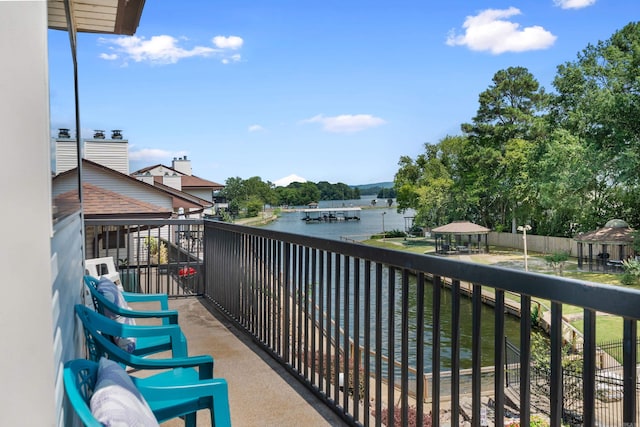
(373, 189)
(361, 187)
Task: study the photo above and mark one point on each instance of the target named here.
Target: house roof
(461, 227)
(97, 16)
(180, 198)
(607, 235)
(101, 203)
(192, 181)
(181, 195)
(188, 181)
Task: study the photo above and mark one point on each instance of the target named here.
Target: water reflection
(346, 315)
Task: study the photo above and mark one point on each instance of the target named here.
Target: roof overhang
(97, 16)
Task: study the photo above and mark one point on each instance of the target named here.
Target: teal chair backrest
(79, 382)
(99, 301)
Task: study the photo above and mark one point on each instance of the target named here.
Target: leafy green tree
(561, 180)
(255, 187)
(387, 193)
(298, 194)
(425, 184)
(234, 189)
(507, 120)
(598, 101)
(254, 206)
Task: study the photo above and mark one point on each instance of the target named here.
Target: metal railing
(361, 326)
(151, 255)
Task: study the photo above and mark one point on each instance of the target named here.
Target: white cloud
(346, 123)
(231, 42)
(491, 31)
(153, 155)
(109, 56)
(574, 4)
(255, 128)
(158, 49)
(232, 58)
(166, 49)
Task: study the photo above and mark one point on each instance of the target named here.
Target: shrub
(362, 381)
(557, 260)
(157, 250)
(389, 234)
(631, 275)
(254, 207)
(534, 422)
(412, 420)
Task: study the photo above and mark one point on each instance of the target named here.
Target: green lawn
(608, 328)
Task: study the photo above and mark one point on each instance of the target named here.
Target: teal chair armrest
(163, 299)
(176, 337)
(169, 317)
(204, 363)
(176, 395)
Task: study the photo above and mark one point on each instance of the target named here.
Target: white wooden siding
(206, 194)
(113, 154)
(173, 181)
(66, 155)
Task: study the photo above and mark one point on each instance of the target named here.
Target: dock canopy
(461, 237)
(606, 247)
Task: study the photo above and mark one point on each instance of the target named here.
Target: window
(113, 239)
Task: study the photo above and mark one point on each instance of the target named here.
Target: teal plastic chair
(101, 303)
(99, 331)
(168, 396)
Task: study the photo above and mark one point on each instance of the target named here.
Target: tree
(255, 187)
(425, 184)
(234, 189)
(561, 181)
(508, 119)
(598, 101)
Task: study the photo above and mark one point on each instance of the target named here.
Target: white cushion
(111, 292)
(116, 402)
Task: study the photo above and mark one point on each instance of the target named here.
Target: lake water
(371, 220)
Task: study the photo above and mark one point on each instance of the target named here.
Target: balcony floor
(261, 392)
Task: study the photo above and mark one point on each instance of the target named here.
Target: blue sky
(331, 90)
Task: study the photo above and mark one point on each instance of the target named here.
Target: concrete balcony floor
(261, 392)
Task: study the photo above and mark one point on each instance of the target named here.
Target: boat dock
(330, 214)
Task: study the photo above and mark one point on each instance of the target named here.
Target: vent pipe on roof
(116, 134)
(63, 133)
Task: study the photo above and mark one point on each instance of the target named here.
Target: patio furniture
(167, 396)
(100, 332)
(101, 303)
(98, 267)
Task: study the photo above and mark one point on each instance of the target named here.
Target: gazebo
(607, 247)
(450, 238)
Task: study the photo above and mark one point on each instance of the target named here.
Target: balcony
(309, 330)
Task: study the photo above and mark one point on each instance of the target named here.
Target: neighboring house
(125, 185)
(107, 193)
(180, 177)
